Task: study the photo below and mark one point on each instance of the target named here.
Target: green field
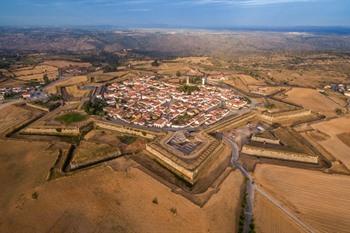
(71, 117)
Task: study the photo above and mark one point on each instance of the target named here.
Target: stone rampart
(265, 140)
(232, 122)
(279, 154)
(42, 108)
(190, 172)
(127, 130)
(53, 131)
(284, 116)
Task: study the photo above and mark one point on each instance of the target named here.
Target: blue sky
(193, 13)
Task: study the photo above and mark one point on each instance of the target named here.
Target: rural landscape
(114, 129)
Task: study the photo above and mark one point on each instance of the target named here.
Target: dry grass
(88, 152)
(314, 77)
(337, 142)
(13, 116)
(345, 138)
(237, 83)
(270, 219)
(114, 138)
(313, 100)
(195, 60)
(320, 200)
(36, 73)
(76, 92)
(23, 166)
(274, 106)
(249, 80)
(69, 81)
(104, 200)
(65, 64)
(265, 90)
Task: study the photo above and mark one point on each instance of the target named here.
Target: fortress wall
(278, 154)
(266, 140)
(232, 123)
(128, 130)
(178, 167)
(53, 131)
(38, 107)
(283, 116)
(170, 164)
(204, 166)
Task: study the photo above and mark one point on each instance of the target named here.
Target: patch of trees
(10, 95)
(188, 89)
(46, 79)
(338, 111)
(126, 139)
(182, 119)
(55, 97)
(108, 61)
(95, 107)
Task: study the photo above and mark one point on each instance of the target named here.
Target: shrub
(155, 201)
(338, 111)
(173, 210)
(127, 139)
(35, 195)
(95, 107)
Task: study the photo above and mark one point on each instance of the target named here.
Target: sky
(175, 13)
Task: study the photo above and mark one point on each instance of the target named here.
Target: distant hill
(169, 42)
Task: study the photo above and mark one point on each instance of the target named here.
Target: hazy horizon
(177, 14)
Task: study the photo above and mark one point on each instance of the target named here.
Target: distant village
(153, 103)
(33, 93)
(339, 87)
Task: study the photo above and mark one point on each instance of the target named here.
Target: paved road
(237, 140)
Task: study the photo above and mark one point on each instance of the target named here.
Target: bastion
(188, 155)
(52, 124)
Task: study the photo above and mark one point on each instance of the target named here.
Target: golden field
(270, 219)
(107, 200)
(12, 116)
(320, 200)
(337, 142)
(313, 100)
(36, 73)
